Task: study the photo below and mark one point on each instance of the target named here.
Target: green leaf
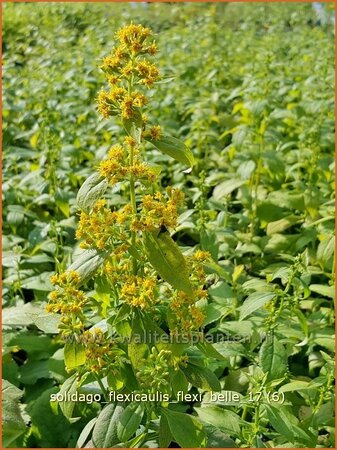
(32, 371)
(217, 439)
(69, 387)
(62, 201)
(133, 126)
(223, 419)
(137, 348)
(20, 315)
(87, 263)
(174, 148)
(105, 430)
(254, 302)
(202, 377)
(226, 187)
(115, 380)
(74, 355)
(42, 416)
(285, 423)
(186, 430)
(321, 289)
(91, 190)
(281, 225)
(13, 424)
(326, 250)
(85, 433)
(48, 323)
(273, 359)
(56, 366)
(209, 350)
(297, 385)
(179, 382)
(166, 258)
(130, 421)
(165, 435)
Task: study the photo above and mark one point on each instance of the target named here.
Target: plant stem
(105, 392)
(134, 211)
(132, 185)
(322, 394)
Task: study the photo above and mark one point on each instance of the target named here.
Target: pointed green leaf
(165, 436)
(223, 419)
(174, 148)
(285, 423)
(68, 388)
(186, 430)
(130, 421)
(91, 190)
(13, 424)
(166, 257)
(74, 355)
(105, 431)
(254, 302)
(273, 358)
(85, 433)
(202, 377)
(87, 263)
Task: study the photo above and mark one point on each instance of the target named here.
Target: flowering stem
(132, 185)
(101, 385)
(134, 211)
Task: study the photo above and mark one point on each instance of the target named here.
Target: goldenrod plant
(146, 289)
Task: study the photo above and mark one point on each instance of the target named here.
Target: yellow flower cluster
(153, 133)
(196, 262)
(99, 350)
(65, 278)
(156, 211)
(147, 72)
(125, 63)
(154, 372)
(139, 291)
(102, 228)
(132, 37)
(187, 316)
(119, 100)
(117, 269)
(116, 168)
(69, 301)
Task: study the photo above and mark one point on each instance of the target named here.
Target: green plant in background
(253, 98)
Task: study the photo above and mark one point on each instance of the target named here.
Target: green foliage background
(253, 97)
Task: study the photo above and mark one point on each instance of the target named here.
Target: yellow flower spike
(155, 132)
(54, 279)
(152, 49)
(139, 100)
(63, 278)
(117, 94)
(131, 34)
(113, 80)
(127, 70)
(119, 53)
(111, 63)
(130, 141)
(103, 104)
(201, 255)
